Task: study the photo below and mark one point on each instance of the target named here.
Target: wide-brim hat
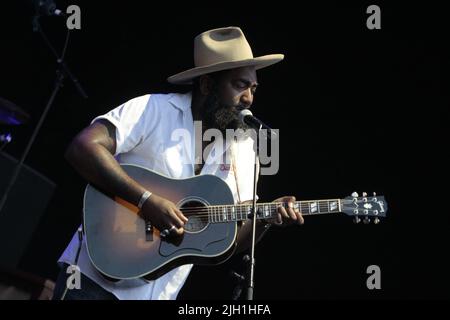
(222, 49)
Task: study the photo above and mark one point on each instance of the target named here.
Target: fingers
(290, 213)
(178, 232)
(180, 215)
(279, 219)
(176, 219)
(299, 215)
(282, 211)
(171, 232)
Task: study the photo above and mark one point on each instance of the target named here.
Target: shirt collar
(181, 101)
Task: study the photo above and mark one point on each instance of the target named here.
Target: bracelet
(144, 197)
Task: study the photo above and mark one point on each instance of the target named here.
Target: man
(140, 132)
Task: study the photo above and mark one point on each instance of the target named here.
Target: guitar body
(119, 245)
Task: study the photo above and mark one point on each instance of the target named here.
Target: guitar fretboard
(228, 213)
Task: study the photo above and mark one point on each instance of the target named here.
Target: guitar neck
(240, 212)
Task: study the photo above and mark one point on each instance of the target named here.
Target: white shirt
(145, 136)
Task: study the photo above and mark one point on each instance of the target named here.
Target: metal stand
(251, 261)
(61, 71)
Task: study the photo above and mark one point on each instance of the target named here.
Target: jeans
(89, 289)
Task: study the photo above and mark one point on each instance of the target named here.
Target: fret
(309, 207)
(305, 207)
(233, 213)
(323, 207)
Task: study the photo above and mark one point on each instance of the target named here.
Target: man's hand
(163, 214)
(287, 216)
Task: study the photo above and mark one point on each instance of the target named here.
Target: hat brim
(186, 77)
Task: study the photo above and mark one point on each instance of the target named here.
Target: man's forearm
(98, 166)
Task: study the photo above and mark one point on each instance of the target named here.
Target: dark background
(358, 109)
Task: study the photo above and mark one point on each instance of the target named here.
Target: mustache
(237, 109)
(221, 115)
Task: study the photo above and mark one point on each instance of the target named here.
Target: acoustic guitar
(122, 245)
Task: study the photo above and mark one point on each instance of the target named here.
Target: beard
(222, 117)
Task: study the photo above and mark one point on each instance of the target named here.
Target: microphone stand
(62, 70)
(251, 261)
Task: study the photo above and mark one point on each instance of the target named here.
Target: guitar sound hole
(197, 215)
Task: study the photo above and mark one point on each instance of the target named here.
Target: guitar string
(220, 214)
(202, 218)
(237, 212)
(301, 203)
(218, 209)
(246, 208)
(211, 213)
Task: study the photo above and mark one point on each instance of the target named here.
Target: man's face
(232, 92)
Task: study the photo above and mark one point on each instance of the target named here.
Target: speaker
(23, 209)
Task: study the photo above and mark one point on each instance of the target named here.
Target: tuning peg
(356, 220)
(376, 220)
(374, 194)
(366, 220)
(364, 194)
(355, 194)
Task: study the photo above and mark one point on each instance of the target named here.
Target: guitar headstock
(365, 207)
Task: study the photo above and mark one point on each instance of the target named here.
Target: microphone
(47, 8)
(246, 116)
